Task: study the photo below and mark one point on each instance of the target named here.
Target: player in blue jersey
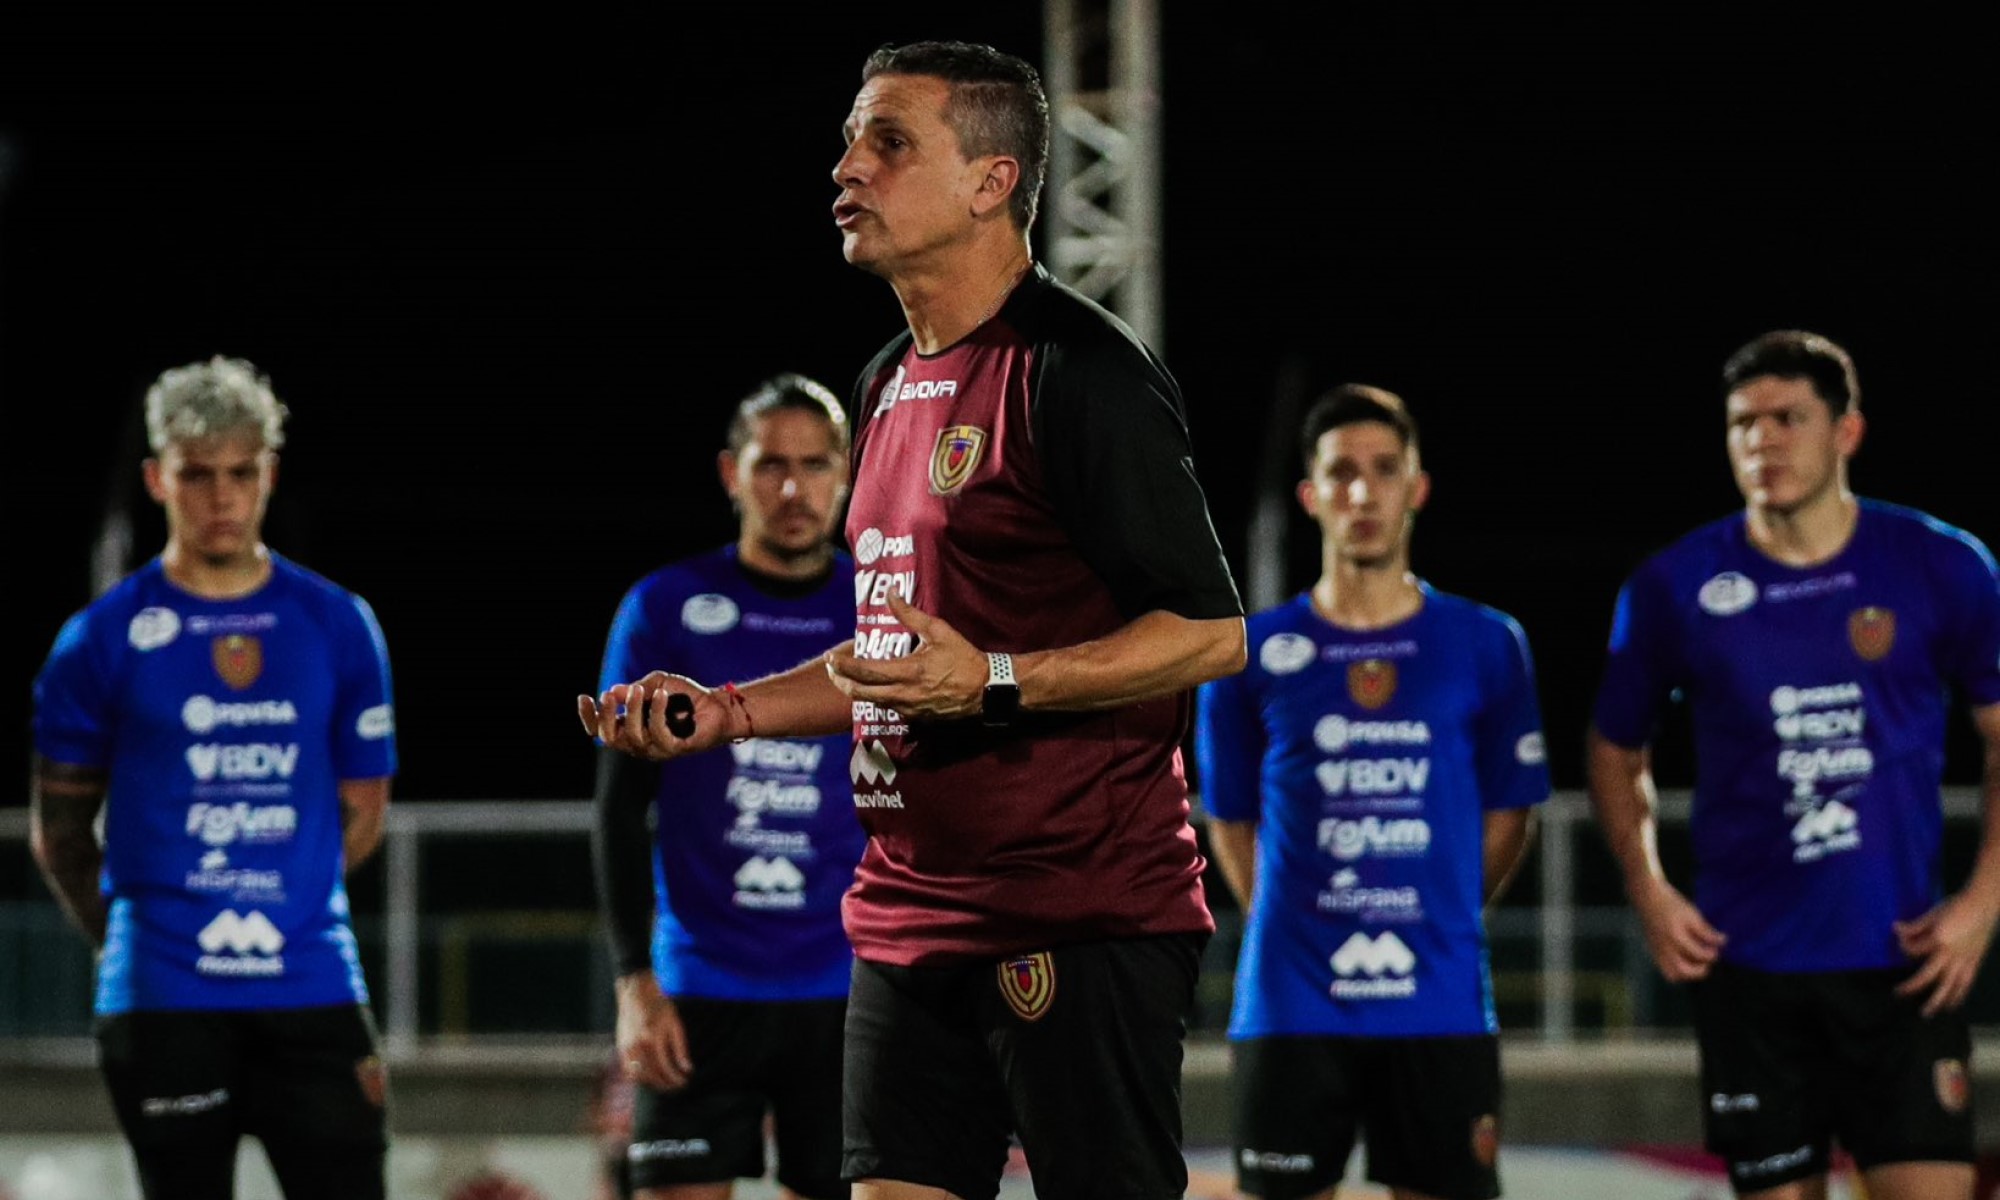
(1817, 638)
(230, 713)
(1370, 780)
(732, 962)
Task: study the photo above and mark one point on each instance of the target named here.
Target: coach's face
(906, 188)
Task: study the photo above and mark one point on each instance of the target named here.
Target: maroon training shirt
(1031, 485)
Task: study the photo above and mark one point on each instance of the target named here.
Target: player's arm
(1951, 939)
(62, 818)
(1234, 844)
(802, 702)
(652, 1042)
(1682, 942)
(364, 806)
(1504, 845)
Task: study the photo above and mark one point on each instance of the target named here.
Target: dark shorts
(750, 1058)
(1076, 1051)
(1791, 1063)
(1427, 1107)
(308, 1083)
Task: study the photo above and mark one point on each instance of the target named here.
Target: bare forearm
(1234, 844)
(801, 702)
(1158, 654)
(1505, 845)
(1621, 792)
(64, 841)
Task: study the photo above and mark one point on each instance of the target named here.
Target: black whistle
(680, 715)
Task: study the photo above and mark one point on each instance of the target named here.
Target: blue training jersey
(758, 839)
(1818, 698)
(225, 726)
(1368, 760)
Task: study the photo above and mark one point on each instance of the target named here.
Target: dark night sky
(510, 294)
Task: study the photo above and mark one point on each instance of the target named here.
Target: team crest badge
(1029, 984)
(1871, 631)
(374, 1080)
(1371, 682)
(238, 658)
(1952, 1089)
(956, 456)
(1486, 1140)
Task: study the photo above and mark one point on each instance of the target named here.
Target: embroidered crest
(1952, 1089)
(374, 1080)
(1371, 682)
(238, 658)
(956, 456)
(1872, 632)
(1029, 984)
(1486, 1140)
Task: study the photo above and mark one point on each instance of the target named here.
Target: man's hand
(651, 1040)
(1682, 942)
(1951, 940)
(943, 678)
(632, 717)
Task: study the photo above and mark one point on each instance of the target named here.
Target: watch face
(1000, 703)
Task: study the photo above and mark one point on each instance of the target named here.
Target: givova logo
(233, 762)
(245, 945)
(1384, 960)
(1830, 829)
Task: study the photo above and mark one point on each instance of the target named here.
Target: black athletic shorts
(1076, 1051)
(1791, 1063)
(751, 1057)
(1427, 1107)
(307, 1082)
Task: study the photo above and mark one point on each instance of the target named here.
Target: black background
(511, 281)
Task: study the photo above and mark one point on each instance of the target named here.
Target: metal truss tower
(1100, 222)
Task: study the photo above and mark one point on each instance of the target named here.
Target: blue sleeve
(1637, 679)
(72, 699)
(364, 718)
(634, 647)
(1969, 585)
(1229, 748)
(1511, 756)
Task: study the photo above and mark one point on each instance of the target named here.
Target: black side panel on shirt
(1112, 440)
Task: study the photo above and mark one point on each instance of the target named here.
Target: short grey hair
(212, 399)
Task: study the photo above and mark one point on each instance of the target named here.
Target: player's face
(1785, 445)
(214, 491)
(1363, 489)
(788, 482)
(905, 188)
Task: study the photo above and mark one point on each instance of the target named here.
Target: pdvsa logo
(710, 613)
(202, 714)
(1377, 968)
(236, 763)
(246, 945)
(152, 628)
(1335, 733)
(874, 544)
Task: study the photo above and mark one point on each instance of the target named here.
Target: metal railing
(1554, 986)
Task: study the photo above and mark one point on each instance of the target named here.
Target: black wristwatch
(1003, 696)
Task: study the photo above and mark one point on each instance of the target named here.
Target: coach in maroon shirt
(1037, 588)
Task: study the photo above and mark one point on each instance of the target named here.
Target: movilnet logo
(1371, 682)
(871, 764)
(955, 457)
(1384, 954)
(1028, 985)
(1872, 632)
(239, 659)
(252, 933)
(769, 875)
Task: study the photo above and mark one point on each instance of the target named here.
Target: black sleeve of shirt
(621, 856)
(1118, 465)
